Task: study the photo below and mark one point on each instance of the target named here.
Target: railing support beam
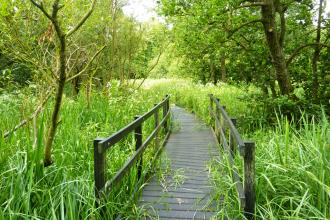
(138, 144)
(165, 110)
(231, 139)
(249, 180)
(99, 167)
(156, 125)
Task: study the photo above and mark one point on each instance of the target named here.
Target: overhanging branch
(297, 51)
(232, 32)
(251, 4)
(88, 64)
(33, 115)
(83, 20)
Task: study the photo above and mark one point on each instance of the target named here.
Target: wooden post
(224, 122)
(249, 180)
(138, 144)
(231, 140)
(99, 167)
(217, 116)
(211, 108)
(168, 110)
(211, 101)
(165, 109)
(156, 125)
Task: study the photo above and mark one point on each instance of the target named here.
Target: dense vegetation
(71, 71)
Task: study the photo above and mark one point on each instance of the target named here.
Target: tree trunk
(275, 47)
(223, 69)
(114, 62)
(316, 56)
(213, 75)
(76, 84)
(58, 100)
(60, 68)
(271, 83)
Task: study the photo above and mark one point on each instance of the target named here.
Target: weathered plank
(184, 191)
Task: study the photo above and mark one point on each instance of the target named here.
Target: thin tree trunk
(113, 61)
(223, 69)
(61, 68)
(58, 101)
(316, 56)
(212, 70)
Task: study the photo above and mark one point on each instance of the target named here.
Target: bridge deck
(183, 190)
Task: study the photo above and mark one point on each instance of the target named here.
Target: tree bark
(58, 100)
(316, 56)
(212, 70)
(274, 41)
(223, 69)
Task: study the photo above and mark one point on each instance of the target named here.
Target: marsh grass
(66, 189)
(292, 157)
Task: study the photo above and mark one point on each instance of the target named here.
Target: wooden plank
(185, 214)
(181, 207)
(201, 189)
(186, 185)
(176, 194)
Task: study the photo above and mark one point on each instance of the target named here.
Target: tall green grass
(65, 190)
(293, 166)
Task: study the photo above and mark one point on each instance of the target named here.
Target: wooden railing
(228, 136)
(101, 145)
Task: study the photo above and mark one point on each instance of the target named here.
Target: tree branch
(35, 114)
(56, 8)
(241, 45)
(42, 9)
(296, 51)
(232, 32)
(87, 65)
(252, 4)
(83, 20)
(153, 66)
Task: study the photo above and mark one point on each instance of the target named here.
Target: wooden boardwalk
(183, 191)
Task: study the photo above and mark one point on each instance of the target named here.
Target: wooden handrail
(246, 191)
(232, 127)
(116, 137)
(101, 145)
(124, 170)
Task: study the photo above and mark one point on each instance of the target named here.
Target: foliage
(205, 32)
